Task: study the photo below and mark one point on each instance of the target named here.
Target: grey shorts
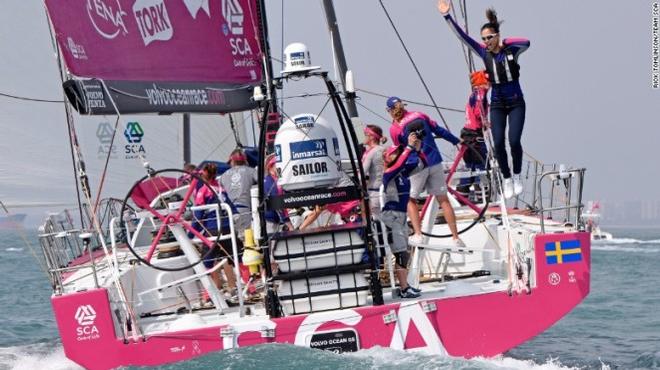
(431, 179)
(374, 203)
(242, 221)
(396, 221)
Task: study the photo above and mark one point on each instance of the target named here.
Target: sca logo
(134, 134)
(234, 16)
(107, 17)
(86, 330)
(85, 315)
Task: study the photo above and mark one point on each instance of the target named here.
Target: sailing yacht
(131, 289)
(591, 217)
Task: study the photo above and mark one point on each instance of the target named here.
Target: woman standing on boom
(501, 61)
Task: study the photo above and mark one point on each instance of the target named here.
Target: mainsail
(139, 56)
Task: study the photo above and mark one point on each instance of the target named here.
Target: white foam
(39, 356)
(381, 357)
(14, 249)
(626, 241)
(623, 248)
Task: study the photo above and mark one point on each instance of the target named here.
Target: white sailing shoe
(508, 188)
(458, 244)
(517, 184)
(416, 239)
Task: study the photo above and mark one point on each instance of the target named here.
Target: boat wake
(385, 358)
(11, 249)
(625, 241)
(627, 245)
(35, 356)
(288, 356)
(51, 356)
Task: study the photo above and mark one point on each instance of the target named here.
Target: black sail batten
(91, 97)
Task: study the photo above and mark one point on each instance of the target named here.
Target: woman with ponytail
(372, 162)
(506, 99)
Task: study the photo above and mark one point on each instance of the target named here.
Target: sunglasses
(489, 37)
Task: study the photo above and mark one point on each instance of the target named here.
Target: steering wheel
(159, 193)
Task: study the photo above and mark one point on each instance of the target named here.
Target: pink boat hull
(467, 326)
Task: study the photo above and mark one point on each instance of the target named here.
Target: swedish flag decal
(566, 251)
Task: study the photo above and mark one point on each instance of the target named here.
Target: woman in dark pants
(506, 100)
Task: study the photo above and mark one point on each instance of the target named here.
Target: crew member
(476, 111)
(506, 99)
(275, 219)
(372, 162)
(237, 182)
(432, 177)
(206, 222)
(401, 163)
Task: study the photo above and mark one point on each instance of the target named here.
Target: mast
(469, 51)
(187, 157)
(272, 123)
(338, 48)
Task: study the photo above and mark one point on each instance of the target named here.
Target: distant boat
(591, 217)
(12, 221)
(598, 235)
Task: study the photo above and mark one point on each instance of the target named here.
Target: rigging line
(304, 95)
(415, 102)
(453, 10)
(419, 74)
(216, 148)
(30, 99)
(385, 119)
(105, 168)
(233, 130)
(254, 131)
(70, 133)
(282, 50)
(69, 119)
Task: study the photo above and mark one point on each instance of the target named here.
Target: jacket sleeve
(440, 131)
(414, 163)
(473, 44)
(272, 189)
(407, 163)
(517, 45)
(395, 131)
(394, 170)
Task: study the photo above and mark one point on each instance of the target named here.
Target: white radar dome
(297, 59)
(307, 153)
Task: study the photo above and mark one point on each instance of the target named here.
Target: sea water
(616, 327)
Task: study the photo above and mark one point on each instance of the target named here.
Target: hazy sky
(586, 79)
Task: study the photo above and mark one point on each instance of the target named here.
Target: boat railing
(146, 223)
(66, 250)
(563, 196)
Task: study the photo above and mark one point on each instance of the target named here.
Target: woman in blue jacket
(500, 57)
